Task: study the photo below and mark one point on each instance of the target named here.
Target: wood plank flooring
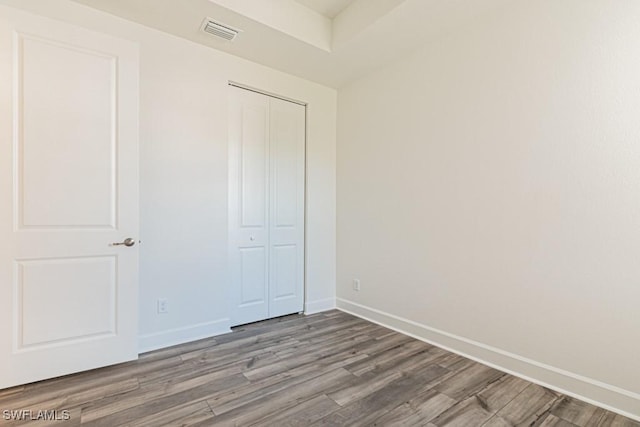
(327, 369)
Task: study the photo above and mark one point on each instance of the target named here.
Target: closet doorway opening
(267, 137)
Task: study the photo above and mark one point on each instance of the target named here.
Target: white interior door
(266, 206)
(68, 190)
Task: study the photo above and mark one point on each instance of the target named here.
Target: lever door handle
(126, 242)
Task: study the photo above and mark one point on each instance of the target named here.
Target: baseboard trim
(320, 305)
(607, 396)
(175, 336)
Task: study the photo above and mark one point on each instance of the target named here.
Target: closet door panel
(287, 160)
(248, 206)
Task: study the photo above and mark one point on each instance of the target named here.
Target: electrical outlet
(163, 306)
(356, 284)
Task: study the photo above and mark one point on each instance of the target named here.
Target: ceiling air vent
(219, 30)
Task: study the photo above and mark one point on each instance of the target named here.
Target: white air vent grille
(219, 30)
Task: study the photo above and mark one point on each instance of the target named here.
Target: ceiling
(301, 37)
(328, 8)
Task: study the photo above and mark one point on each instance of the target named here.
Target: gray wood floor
(326, 369)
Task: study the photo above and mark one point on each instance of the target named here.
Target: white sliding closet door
(249, 205)
(266, 206)
(286, 206)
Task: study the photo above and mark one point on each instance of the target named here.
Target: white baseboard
(183, 335)
(607, 396)
(176, 336)
(320, 305)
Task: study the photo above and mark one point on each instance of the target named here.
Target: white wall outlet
(356, 284)
(163, 306)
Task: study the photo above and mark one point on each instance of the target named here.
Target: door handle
(126, 242)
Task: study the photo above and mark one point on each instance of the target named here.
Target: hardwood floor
(328, 369)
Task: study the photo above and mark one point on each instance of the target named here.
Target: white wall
(183, 182)
(489, 194)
